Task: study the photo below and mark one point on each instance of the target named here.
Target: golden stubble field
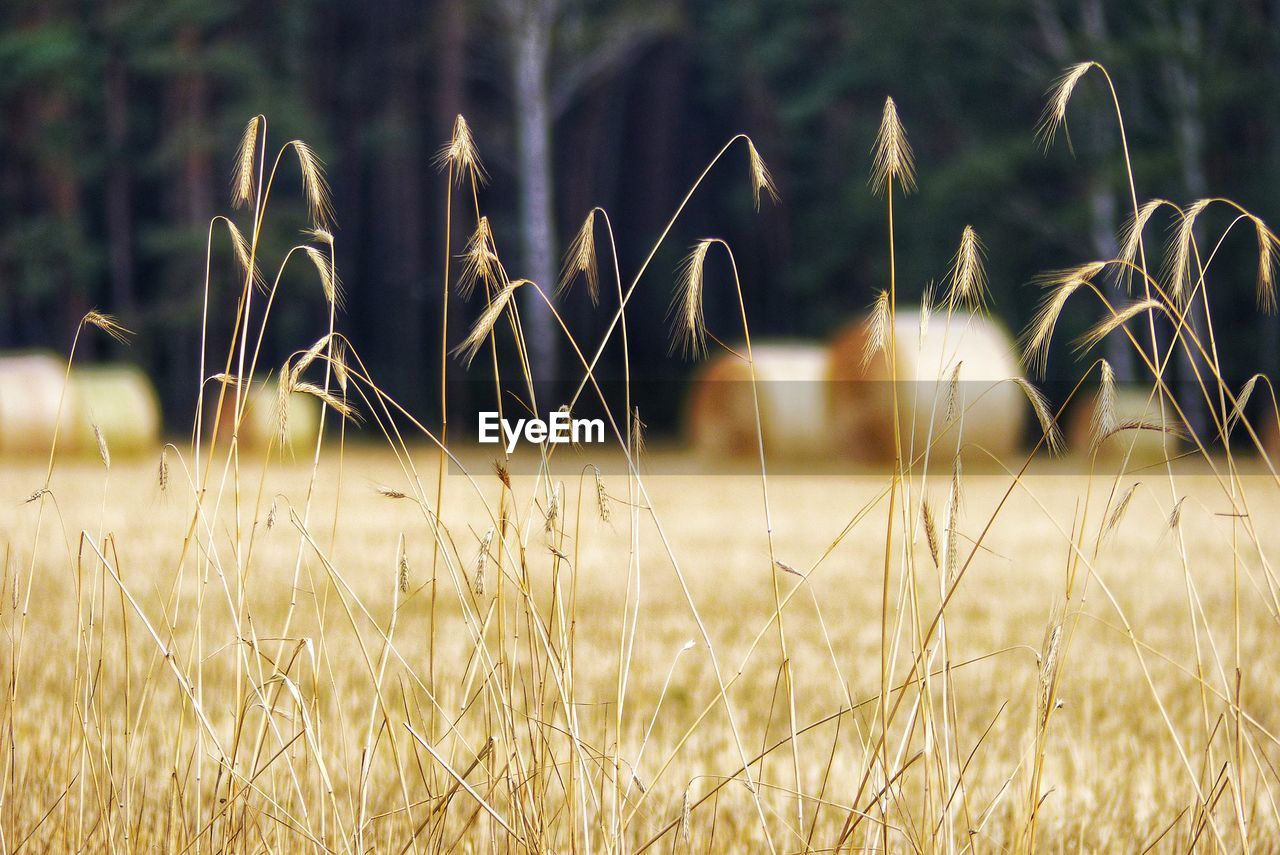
(322, 726)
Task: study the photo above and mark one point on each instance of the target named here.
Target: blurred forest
(119, 121)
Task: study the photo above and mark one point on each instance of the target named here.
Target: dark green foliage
(118, 121)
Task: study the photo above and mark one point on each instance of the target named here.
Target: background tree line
(119, 120)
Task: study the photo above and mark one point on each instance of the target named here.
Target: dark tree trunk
(119, 191)
(402, 189)
(1184, 85)
(190, 197)
(1104, 218)
(450, 102)
(531, 36)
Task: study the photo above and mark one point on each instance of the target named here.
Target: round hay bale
(121, 401)
(991, 410)
(31, 389)
(1134, 405)
(721, 414)
(1268, 430)
(261, 423)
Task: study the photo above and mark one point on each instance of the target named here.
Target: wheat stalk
(484, 325)
(480, 261)
(580, 260)
(968, 274)
(1131, 239)
(689, 331)
(1058, 97)
(878, 324)
(315, 186)
(329, 280)
(1179, 258)
(461, 153)
(1114, 321)
(1060, 286)
(1048, 424)
(761, 180)
(108, 324)
(1102, 422)
(242, 177)
(893, 162)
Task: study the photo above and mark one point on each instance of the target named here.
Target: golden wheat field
(311, 729)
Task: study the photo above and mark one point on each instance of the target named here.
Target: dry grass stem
(893, 161)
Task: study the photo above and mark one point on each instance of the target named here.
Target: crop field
(107, 741)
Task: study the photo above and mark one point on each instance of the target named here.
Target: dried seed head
(284, 389)
(329, 280)
(1167, 427)
(951, 560)
(877, 329)
(107, 324)
(1131, 240)
(564, 408)
(104, 453)
(1115, 321)
(304, 359)
(637, 435)
(1242, 401)
(162, 474)
(1048, 425)
(1175, 516)
(602, 497)
(1039, 333)
(480, 261)
(244, 254)
(462, 154)
(685, 832)
(35, 495)
(553, 509)
(402, 576)
(271, 515)
(482, 562)
(926, 309)
(1050, 664)
(504, 474)
(930, 532)
(485, 323)
(242, 178)
(968, 277)
(690, 333)
(1179, 261)
(338, 405)
(581, 260)
(787, 568)
(1058, 96)
(314, 185)
(894, 162)
(389, 492)
(338, 359)
(320, 235)
(1267, 245)
(1117, 514)
(761, 180)
(953, 393)
(1103, 421)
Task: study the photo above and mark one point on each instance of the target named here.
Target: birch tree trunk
(1067, 48)
(532, 23)
(1188, 128)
